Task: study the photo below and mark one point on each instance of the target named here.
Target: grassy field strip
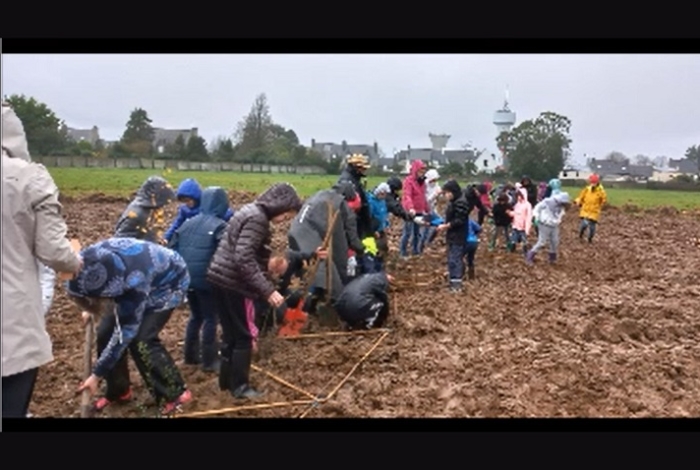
(77, 181)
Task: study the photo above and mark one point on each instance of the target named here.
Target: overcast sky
(635, 104)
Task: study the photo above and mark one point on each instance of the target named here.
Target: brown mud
(612, 329)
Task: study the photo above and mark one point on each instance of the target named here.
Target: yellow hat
(357, 159)
(370, 245)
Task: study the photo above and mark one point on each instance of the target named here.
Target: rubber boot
(471, 273)
(552, 258)
(240, 373)
(191, 352)
(225, 368)
(530, 257)
(210, 358)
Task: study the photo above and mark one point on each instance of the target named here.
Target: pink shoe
(175, 405)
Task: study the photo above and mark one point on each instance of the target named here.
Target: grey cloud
(631, 103)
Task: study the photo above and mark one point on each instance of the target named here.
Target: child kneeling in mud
(364, 302)
(548, 214)
(140, 283)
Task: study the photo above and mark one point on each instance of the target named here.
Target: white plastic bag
(352, 266)
(47, 280)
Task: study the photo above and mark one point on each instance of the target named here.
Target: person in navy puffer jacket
(189, 194)
(196, 241)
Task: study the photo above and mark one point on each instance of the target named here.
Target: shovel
(85, 405)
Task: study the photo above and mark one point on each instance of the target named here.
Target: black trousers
(155, 365)
(235, 331)
(17, 392)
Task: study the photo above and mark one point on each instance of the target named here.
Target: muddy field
(612, 330)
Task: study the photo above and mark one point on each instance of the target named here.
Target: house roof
(611, 168)
(331, 148)
(169, 136)
(430, 155)
(82, 134)
(684, 165)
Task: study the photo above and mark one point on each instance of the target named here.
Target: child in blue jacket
(376, 246)
(189, 194)
(196, 241)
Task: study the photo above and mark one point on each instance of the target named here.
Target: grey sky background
(635, 104)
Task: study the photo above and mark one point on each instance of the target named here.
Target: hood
(555, 184)
(453, 187)
(101, 271)
(382, 188)
(14, 140)
(395, 183)
(525, 180)
(431, 175)
(542, 185)
(557, 200)
(416, 166)
(190, 188)
(214, 202)
(345, 189)
(522, 192)
(278, 199)
(155, 192)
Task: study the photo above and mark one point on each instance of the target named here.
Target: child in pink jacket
(522, 220)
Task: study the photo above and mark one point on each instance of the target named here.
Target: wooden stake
(85, 405)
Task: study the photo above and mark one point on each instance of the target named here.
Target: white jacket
(550, 211)
(432, 189)
(32, 229)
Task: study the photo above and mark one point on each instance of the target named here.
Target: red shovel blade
(293, 321)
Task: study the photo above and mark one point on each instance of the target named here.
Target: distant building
(435, 158)
(332, 151)
(684, 166)
(163, 138)
(609, 170)
(570, 173)
(92, 136)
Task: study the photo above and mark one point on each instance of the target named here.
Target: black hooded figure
(393, 200)
(456, 219)
(531, 189)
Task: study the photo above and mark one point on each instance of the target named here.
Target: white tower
(504, 118)
(439, 141)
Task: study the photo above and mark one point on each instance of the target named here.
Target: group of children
(220, 263)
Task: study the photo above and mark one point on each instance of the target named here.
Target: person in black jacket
(531, 189)
(354, 172)
(393, 199)
(143, 219)
(473, 198)
(364, 302)
(196, 241)
(455, 226)
(502, 220)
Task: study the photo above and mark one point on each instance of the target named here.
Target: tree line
(256, 138)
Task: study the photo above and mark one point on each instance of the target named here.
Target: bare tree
(660, 161)
(254, 131)
(617, 157)
(643, 160)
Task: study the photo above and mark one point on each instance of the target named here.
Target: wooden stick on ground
(85, 405)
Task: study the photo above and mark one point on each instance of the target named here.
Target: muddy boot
(225, 369)
(470, 273)
(552, 258)
(191, 353)
(530, 258)
(240, 373)
(210, 358)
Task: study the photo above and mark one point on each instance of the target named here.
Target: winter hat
(555, 184)
(453, 187)
(594, 179)
(103, 273)
(432, 175)
(382, 188)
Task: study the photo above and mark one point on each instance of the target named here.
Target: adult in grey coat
(32, 229)
(309, 227)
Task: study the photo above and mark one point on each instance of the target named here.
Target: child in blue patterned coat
(141, 283)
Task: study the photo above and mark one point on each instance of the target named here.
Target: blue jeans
(371, 264)
(410, 229)
(518, 236)
(426, 233)
(587, 224)
(455, 262)
(203, 317)
(470, 249)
